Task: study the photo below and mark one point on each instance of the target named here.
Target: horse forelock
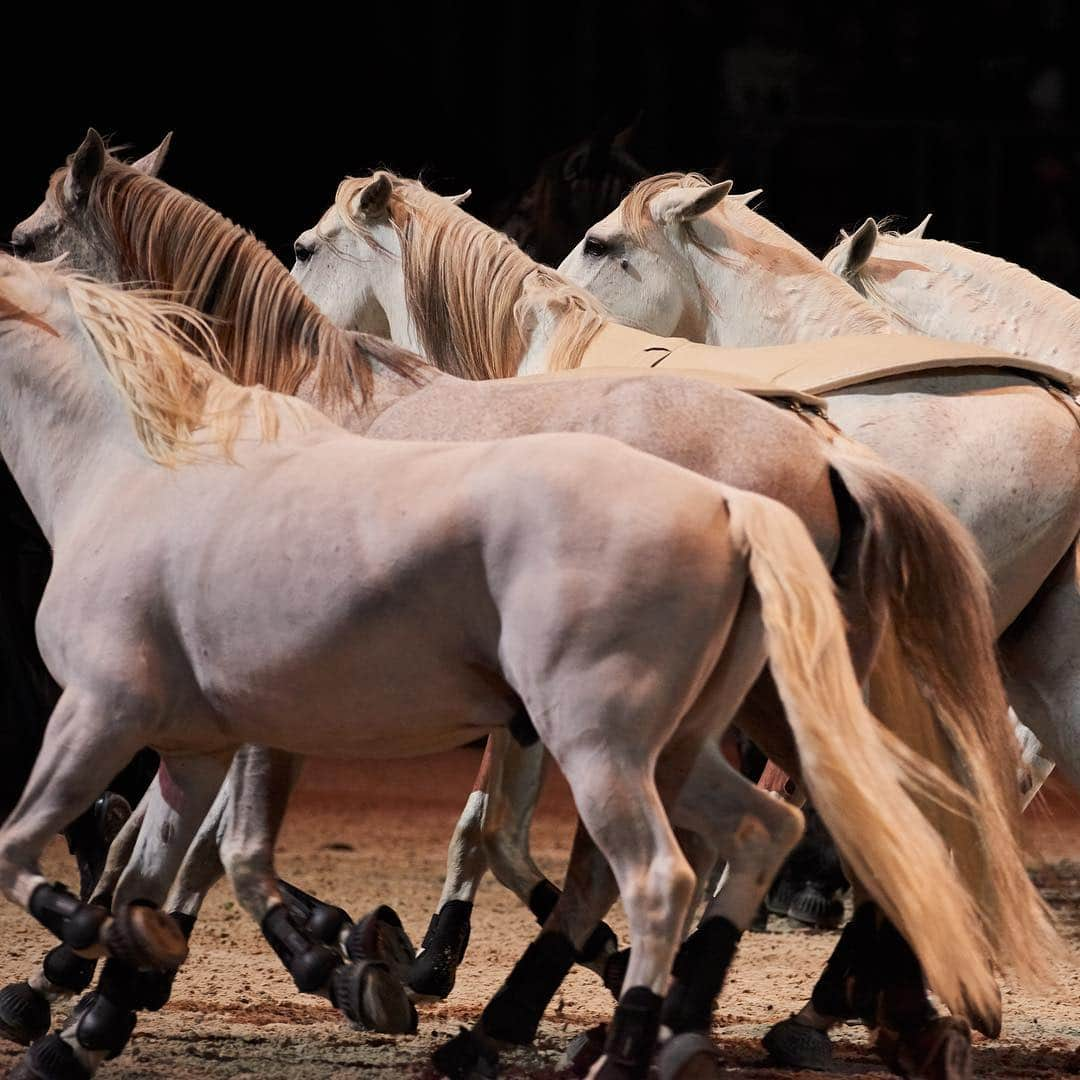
(470, 290)
(267, 328)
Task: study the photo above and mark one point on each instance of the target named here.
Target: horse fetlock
(318, 920)
(67, 972)
(78, 925)
(631, 1036)
(310, 963)
(700, 968)
(105, 1025)
(433, 973)
(514, 1013)
(467, 1056)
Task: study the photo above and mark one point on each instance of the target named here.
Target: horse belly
(1006, 462)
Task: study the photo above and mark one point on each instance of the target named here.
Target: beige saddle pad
(814, 367)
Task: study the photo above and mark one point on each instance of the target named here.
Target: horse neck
(762, 307)
(63, 429)
(967, 296)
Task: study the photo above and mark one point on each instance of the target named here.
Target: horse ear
(86, 164)
(375, 197)
(151, 164)
(862, 247)
(746, 196)
(685, 204)
(457, 200)
(917, 232)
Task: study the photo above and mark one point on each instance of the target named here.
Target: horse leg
(103, 1021)
(26, 1007)
(364, 990)
(656, 884)
(432, 975)
(1039, 660)
(81, 749)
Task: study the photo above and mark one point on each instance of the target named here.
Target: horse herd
(424, 489)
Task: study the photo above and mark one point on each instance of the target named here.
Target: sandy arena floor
(361, 834)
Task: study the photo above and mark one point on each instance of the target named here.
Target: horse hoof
(372, 999)
(688, 1056)
(49, 1059)
(25, 1014)
(585, 1050)
(798, 1046)
(380, 936)
(146, 938)
(778, 898)
(812, 907)
(939, 1051)
(466, 1057)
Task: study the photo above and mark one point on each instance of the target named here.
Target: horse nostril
(22, 246)
(302, 253)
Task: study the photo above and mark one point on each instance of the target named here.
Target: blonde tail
(857, 775)
(936, 685)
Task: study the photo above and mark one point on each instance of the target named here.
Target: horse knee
(768, 834)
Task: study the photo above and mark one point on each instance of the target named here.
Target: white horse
(948, 291)
(289, 583)
(680, 255)
(392, 252)
(128, 225)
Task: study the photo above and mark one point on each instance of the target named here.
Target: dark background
(838, 111)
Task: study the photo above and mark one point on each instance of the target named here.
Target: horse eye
(302, 252)
(594, 247)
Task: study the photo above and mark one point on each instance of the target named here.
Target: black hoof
(49, 1059)
(146, 938)
(778, 898)
(939, 1051)
(380, 936)
(814, 908)
(371, 999)
(466, 1057)
(798, 1046)
(25, 1014)
(585, 1050)
(688, 1056)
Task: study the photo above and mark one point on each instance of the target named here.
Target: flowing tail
(937, 686)
(858, 775)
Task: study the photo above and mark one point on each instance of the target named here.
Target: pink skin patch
(170, 790)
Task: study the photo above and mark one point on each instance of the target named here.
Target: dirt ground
(359, 834)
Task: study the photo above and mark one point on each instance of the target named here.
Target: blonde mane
(152, 350)
(470, 289)
(269, 331)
